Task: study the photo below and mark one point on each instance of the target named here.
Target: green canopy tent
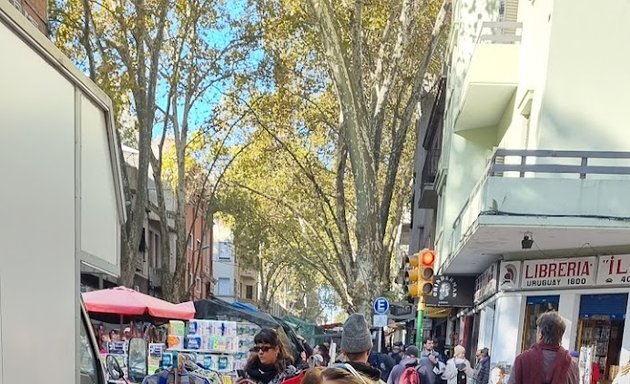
(306, 329)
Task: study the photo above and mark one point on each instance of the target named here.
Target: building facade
(531, 173)
(224, 266)
(36, 11)
(199, 267)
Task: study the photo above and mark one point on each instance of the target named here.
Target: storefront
(590, 293)
(600, 327)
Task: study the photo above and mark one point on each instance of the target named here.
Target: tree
(161, 61)
(346, 82)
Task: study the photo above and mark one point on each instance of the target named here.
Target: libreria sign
(559, 273)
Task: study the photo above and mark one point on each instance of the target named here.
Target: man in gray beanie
(356, 344)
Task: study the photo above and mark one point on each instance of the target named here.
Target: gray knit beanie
(356, 336)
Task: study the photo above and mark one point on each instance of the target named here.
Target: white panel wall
(586, 95)
(569, 308)
(486, 327)
(507, 329)
(99, 215)
(37, 254)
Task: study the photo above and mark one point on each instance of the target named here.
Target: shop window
(536, 306)
(600, 329)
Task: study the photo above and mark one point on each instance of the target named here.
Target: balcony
(432, 143)
(567, 200)
(428, 198)
(492, 76)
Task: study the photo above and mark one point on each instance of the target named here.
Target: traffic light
(427, 273)
(419, 273)
(412, 273)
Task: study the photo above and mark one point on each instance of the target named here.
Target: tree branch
(405, 122)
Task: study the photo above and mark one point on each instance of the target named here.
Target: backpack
(410, 376)
(461, 376)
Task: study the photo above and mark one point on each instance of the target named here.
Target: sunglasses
(264, 348)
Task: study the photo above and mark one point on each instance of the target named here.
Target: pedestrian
(272, 361)
(477, 360)
(313, 375)
(427, 348)
(410, 360)
(458, 369)
(324, 352)
(397, 353)
(438, 348)
(497, 375)
(482, 371)
(344, 374)
(315, 361)
(356, 344)
(546, 361)
(427, 369)
(384, 362)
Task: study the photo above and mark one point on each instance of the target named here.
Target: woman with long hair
(270, 362)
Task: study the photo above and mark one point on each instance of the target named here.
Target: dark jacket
(383, 362)
(483, 374)
(427, 374)
(397, 371)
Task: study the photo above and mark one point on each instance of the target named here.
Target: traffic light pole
(419, 322)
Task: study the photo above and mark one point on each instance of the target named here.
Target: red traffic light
(427, 257)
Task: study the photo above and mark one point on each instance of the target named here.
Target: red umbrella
(127, 302)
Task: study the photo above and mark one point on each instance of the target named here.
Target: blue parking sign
(381, 306)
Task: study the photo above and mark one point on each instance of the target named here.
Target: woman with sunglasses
(270, 362)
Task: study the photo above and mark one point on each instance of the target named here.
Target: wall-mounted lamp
(528, 241)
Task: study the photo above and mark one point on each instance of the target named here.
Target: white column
(624, 357)
(569, 309)
(507, 329)
(488, 330)
(483, 324)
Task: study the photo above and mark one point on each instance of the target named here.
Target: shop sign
(509, 275)
(558, 273)
(451, 291)
(486, 284)
(614, 270)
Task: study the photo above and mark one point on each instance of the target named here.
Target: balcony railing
(518, 163)
(500, 32)
(431, 166)
(559, 167)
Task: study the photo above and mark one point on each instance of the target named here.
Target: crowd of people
(271, 363)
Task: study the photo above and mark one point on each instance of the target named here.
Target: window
(225, 251)
(536, 306)
(224, 286)
(89, 368)
(249, 292)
